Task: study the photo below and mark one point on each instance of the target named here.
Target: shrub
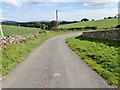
(53, 25)
(90, 27)
(118, 26)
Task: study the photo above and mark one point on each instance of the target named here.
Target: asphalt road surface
(54, 65)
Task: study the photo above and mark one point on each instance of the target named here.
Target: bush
(53, 25)
(118, 26)
(75, 29)
(90, 27)
(84, 20)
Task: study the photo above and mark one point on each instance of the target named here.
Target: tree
(38, 25)
(76, 21)
(84, 20)
(109, 17)
(118, 26)
(53, 25)
(105, 18)
(93, 20)
(115, 17)
(43, 26)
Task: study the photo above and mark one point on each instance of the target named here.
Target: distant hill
(105, 23)
(6, 22)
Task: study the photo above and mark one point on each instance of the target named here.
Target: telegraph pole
(57, 15)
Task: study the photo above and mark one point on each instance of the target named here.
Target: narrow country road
(54, 65)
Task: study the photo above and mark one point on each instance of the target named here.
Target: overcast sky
(70, 10)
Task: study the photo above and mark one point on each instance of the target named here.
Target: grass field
(14, 53)
(13, 30)
(101, 55)
(107, 23)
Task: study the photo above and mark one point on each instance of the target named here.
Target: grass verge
(14, 53)
(101, 55)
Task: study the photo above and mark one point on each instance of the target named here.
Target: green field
(107, 23)
(13, 30)
(101, 55)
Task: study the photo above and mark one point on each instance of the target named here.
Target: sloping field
(107, 23)
(13, 30)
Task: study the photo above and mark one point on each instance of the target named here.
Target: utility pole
(57, 15)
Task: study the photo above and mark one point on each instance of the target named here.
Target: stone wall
(16, 39)
(106, 34)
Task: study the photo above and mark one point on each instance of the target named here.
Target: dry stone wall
(109, 34)
(16, 39)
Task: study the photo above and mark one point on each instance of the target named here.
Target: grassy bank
(105, 23)
(14, 54)
(101, 55)
(13, 30)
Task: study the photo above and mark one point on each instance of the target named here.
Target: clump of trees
(40, 25)
(84, 20)
(37, 25)
(117, 16)
(53, 25)
(93, 19)
(68, 22)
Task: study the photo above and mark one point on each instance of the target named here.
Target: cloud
(54, 1)
(72, 0)
(79, 14)
(19, 3)
(100, 3)
(13, 3)
(85, 4)
(105, 3)
(95, 3)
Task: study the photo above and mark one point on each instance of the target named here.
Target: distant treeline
(52, 25)
(39, 24)
(33, 24)
(24, 24)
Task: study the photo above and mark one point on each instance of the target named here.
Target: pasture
(106, 23)
(13, 30)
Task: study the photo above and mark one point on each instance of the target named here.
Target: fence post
(18, 29)
(1, 31)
